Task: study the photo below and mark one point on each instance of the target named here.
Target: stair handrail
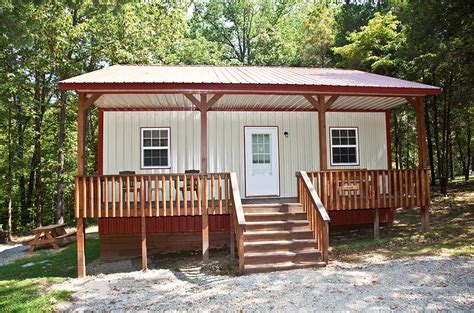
(309, 198)
(237, 220)
(237, 201)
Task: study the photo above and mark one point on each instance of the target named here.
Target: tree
(241, 26)
(374, 47)
(320, 36)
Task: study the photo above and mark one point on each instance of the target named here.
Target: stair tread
(272, 213)
(270, 205)
(279, 242)
(281, 253)
(284, 265)
(276, 232)
(278, 222)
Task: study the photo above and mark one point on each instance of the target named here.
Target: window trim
(142, 148)
(357, 146)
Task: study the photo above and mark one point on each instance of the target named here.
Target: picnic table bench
(54, 235)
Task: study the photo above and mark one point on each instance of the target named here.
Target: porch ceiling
(243, 102)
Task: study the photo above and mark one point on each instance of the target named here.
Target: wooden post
(204, 133)
(81, 170)
(144, 249)
(205, 224)
(422, 158)
(377, 224)
(232, 233)
(323, 158)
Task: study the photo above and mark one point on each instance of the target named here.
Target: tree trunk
(10, 172)
(61, 147)
(451, 160)
(430, 148)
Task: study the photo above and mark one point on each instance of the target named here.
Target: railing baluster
(157, 197)
(142, 196)
(178, 200)
(113, 198)
(213, 195)
(227, 194)
(150, 198)
(163, 194)
(135, 196)
(219, 192)
(185, 194)
(127, 196)
(170, 181)
(121, 196)
(91, 196)
(192, 195)
(77, 196)
(199, 195)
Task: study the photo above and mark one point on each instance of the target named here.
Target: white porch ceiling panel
(243, 102)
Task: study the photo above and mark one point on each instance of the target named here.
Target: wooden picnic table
(54, 235)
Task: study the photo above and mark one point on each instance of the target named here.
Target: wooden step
(274, 216)
(273, 207)
(278, 225)
(262, 235)
(262, 268)
(265, 257)
(279, 245)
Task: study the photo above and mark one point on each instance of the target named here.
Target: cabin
(262, 160)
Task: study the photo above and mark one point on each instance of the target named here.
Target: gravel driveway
(424, 283)
(9, 253)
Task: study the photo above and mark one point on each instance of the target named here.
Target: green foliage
(320, 36)
(374, 48)
(44, 42)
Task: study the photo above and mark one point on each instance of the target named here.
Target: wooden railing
(237, 221)
(316, 213)
(371, 189)
(155, 194)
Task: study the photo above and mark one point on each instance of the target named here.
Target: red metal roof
(236, 79)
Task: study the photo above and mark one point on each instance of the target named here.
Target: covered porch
(204, 195)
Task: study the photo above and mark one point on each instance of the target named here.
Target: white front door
(261, 162)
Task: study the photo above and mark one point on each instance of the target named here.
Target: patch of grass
(24, 284)
(49, 263)
(452, 231)
(29, 295)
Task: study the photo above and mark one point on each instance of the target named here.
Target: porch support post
(204, 110)
(377, 224)
(205, 218)
(323, 158)
(81, 170)
(144, 249)
(422, 159)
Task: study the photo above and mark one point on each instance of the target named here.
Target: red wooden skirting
(169, 224)
(359, 217)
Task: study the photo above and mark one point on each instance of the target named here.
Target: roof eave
(246, 89)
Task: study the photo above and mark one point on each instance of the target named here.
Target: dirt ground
(418, 284)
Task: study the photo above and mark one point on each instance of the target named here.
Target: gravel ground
(418, 284)
(9, 253)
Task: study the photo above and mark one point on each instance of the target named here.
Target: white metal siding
(297, 152)
(121, 143)
(300, 151)
(372, 137)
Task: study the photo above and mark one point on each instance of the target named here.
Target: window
(155, 145)
(344, 146)
(261, 149)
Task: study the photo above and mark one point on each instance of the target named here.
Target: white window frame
(143, 148)
(356, 146)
